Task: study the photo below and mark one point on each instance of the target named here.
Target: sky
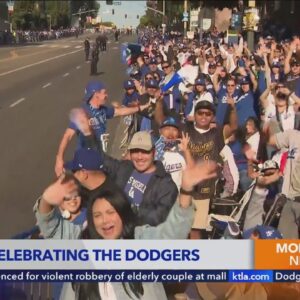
(131, 8)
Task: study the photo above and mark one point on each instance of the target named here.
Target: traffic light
(113, 11)
(125, 16)
(109, 2)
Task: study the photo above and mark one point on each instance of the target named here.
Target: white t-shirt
(174, 163)
(253, 141)
(287, 118)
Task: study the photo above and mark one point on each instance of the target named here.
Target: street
(39, 85)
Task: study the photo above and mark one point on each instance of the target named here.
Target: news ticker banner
(233, 276)
(150, 254)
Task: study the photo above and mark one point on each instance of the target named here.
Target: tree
(78, 6)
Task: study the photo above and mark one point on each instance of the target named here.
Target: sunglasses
(204, 113)
(165, 67)
(148, 78)
(71, 197)
(230, 85)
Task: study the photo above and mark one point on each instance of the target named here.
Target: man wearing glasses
(206, 143)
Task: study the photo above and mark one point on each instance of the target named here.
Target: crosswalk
(72, 45)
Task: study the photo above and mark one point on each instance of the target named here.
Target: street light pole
(185, 22)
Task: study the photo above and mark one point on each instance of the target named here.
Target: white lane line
(54, 46)
(38, 63)
(17, 102)
(115, 48)
(66, 74)
(43, 45)
(78, 47)
(65, 47)
(78, 67)
(46, 85)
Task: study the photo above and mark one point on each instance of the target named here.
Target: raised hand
(79, 117)
(60, 190)
(184, 142)
(198, 172)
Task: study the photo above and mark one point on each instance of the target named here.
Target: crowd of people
(208, 123)
(35, 36)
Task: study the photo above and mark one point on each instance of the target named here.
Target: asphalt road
(39, 84)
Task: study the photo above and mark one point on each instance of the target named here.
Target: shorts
(201, 214)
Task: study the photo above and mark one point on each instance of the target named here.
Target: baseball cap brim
(139, 146)
(70, 166)
(205, 105)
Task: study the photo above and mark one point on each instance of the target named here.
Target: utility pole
(163, 13)
(185, 5)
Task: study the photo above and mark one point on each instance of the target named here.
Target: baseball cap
(200, 81)
(87, 159)
(170, 121)
(275, 65)
(151, 83)
(269, 165)
(265, 232)
(204, 104)
(92, 87)
(153, 61)
(244, 80)
(129, 84)
(141, 140)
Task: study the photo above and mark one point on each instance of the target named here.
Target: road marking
(54, 46)
(66, 74)
(65, 47)
(115, 48)
(78, 47)
(46, 85)
(17, 102)
(87, 62)
(43, 45)
(78, 67)
(38, 63)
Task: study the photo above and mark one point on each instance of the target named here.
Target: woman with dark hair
(109, 216)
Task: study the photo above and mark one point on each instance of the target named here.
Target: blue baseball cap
(129, 84)
(92, 87)
(264, 232)
(151, 83)
(153, 61)
(200, 81)
(275, 65)
(170, 121)
(86, 159)
(244, 80)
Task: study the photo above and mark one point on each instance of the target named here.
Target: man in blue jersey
(98, 112)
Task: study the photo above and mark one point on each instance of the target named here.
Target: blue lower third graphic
(250, 276)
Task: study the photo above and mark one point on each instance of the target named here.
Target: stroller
(228, 210)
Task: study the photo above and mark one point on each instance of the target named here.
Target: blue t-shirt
(222, 106)
(130, 98)
(245, 107)
(97, 119)
(136, 186)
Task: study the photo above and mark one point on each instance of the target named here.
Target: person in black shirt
(87, 167)
(206, 143)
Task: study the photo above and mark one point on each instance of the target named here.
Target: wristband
(185, 192)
